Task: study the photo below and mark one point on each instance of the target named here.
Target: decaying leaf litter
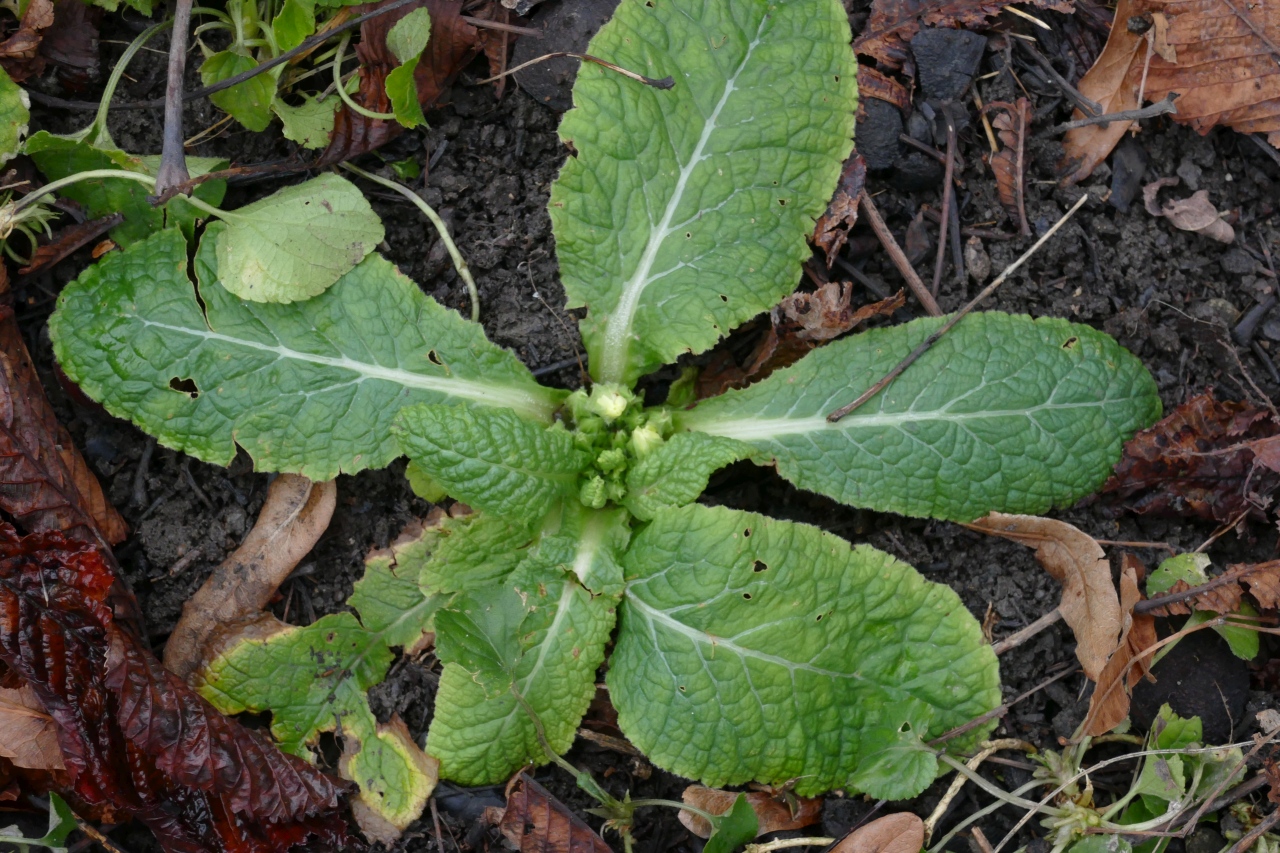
(1191, 323)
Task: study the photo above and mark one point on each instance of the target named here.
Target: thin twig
(946, 209)
(955, 318)
(1088, 107)
(1157, 109)
(895, 254)
(1022, 635)
(665, 83)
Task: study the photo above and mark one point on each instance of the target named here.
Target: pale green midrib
(751, 429)
(562, 611)
(489, 394)
(589, 545)
(617, 334)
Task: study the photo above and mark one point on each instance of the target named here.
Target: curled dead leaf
(536, 822)
(894, 833)
(1089, 602)
(1208, 459)
(19, 53)
(775, 811)
(293, 517)
(1009, 163)
(28, 735)
(1188, 214)
(833, 226)
(1109, 704)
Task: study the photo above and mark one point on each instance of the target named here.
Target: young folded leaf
(1004, 413)
(685, 211)
(311, 387)
(544, 657)
(493, 459)
(754, 649)
(677, 472)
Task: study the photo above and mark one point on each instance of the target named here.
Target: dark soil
(1167, 295)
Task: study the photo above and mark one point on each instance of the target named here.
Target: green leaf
(1241, 635)
(295, 243)
(248, 102)
(755, 649)
(59, 157)
(1181, 567)
(1101, 844)
(1004, 413)
(311, 123)
(62, 822)
(15, 117)
(493, 459)
(315, 679)
(685, 211)
(310, 387)
(142, 7)
(408, 37)
(471, 553)
(1163, 778)
(423, 485)
(734, 828)
(402, 91)
(295, 22)
(677, 472)
(481, 737)
(591, 544)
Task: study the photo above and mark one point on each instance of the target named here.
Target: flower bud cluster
(614, 427)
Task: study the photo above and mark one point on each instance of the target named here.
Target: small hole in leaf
(724, 298)
(837, 78)
(680, 688)
(688, 235)
(746, 534)
(820, 615)
(185, 386)
(782, 202)
(904, 728)
(759, 567)
(1070, 343)
(746, 596)
(434, 359)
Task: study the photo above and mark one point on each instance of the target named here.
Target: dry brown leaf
(45, 484)
(28, 735)
(1222, 594)
(1109, 704)
(774, 812)
(1210, 459)
(895, 833)
(295, 514)
(1009, 164)
(1188, 214)
(800, 323)
(1220, 56)
(873, 84)
(536, 822)
(70, 239)
(834, 225)
(1089, 602)
(19, 52)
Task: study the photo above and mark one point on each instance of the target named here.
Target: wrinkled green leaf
(59, 157)
(492, 459)
(315, 679)
(755, 649)
(249, 102)
(295, 243)
(310, 388)
(591, 544)
(482, 737)
(311, 123)
(677, 472)
(734, 828)
(15, 116)
(685, 211)
(1163, 778)
(472, 553)
(1004, 413)
(295, 22)
(480, 632)
(408, 37)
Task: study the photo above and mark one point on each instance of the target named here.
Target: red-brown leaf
(1131, 660)
(1222, 594)
(776, 810)
(1009, 164)
(45, 483)
(70, 44)
(133, 736)
(453, 44)
(19, 53)
(1206, 459)
(536, 822)
(72, 238)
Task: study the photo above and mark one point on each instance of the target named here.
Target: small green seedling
(738, 647)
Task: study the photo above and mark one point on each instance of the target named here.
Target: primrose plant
(742, 648)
